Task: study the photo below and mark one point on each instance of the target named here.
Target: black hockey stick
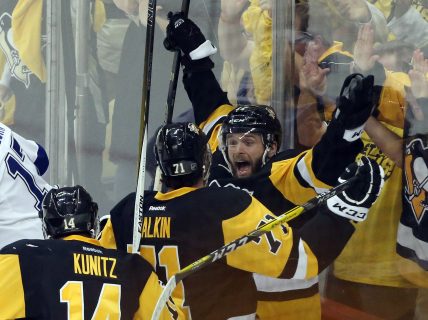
(253, 235)
(175, 72)
(147, 78)
(172, 90)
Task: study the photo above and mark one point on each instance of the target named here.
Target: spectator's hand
(364, 59)
(419, 83)
(183, 34)
(311, 76)
(353, 10)
(355, 202)
(354, 105)
(231, 10)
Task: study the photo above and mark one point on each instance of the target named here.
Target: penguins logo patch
(416, 176)
(17, 69)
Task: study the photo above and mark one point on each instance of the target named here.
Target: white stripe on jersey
(246, 317)
(406, 238)
(304, 172)
(208, 126)
(268, 284)
(302, 263)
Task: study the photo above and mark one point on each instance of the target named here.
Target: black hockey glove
(354, 105)
(355, 202)
(183, 34)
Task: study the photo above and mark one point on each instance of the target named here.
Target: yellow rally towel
(27, 31)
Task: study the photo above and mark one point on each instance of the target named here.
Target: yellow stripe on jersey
(148, 298)
(268, 255)
(107, 239)
(212, 124)
(173, 194)
(213, 141)
(27, 35)
(308, 308)
(12, 301)
(284, 179)
(305, 169)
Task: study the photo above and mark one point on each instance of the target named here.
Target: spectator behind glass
(366, 277)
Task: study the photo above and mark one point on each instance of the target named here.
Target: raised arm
(389, 142)
(234, 44)
(341, 143)
(200, 83)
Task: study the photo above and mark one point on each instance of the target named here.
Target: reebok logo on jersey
(92, 250)
(157, 208)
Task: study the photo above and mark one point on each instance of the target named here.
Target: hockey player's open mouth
(243, 168)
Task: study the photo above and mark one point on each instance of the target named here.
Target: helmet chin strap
(265, 156)
(224, 153)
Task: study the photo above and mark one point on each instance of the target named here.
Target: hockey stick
(147, 76)
(172, 90)
(253, 235)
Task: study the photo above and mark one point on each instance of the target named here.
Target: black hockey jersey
(181, 226)
(288, 179)
(412, 235)
(74, 278)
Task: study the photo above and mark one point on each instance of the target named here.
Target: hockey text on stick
(253, 235)
(148, 60)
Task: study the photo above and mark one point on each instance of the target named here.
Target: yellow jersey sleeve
(12, 300)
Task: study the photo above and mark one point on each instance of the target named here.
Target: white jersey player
(22, 164)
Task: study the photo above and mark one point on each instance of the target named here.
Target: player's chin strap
(268, 147)
(265, 155)
(223, 149)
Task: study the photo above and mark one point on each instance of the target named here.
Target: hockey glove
(355, 202)
(183, 34)
(354, 105)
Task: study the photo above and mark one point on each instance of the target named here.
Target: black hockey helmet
(181, 149)
(253, 119)
(68, 210)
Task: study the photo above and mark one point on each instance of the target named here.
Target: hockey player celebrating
(246, 155)
(70, 276)
(190, 220)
